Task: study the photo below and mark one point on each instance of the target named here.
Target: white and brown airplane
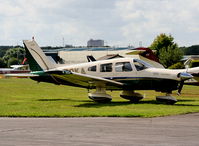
(126, 74)
(14, 69)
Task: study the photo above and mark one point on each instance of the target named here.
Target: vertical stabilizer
(37, 60)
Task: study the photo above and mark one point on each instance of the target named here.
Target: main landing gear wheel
(100, 95)
(168, 99)
(132, 96)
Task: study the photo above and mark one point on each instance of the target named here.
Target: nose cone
(184, 76)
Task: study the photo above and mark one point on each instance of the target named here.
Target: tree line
(192, 50)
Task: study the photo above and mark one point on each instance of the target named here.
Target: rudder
(37, 60)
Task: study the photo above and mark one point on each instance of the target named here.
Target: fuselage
(134, 73)
(122, 67)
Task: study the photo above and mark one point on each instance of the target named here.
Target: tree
(2, 63)
(167, 51)
(12, 61)
(17, 53)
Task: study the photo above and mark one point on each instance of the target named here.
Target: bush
(194, 63)
(178, 65)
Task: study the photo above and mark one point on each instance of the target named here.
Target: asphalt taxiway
(178, 130)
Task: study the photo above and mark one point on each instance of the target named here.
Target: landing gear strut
(100, 95)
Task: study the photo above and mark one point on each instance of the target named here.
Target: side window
(92, 68)
(123, 67)
(106, 67)
(139, 66)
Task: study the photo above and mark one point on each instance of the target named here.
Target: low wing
(84, 80)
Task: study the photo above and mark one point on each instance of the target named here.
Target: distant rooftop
(96, 49)
(89, 49)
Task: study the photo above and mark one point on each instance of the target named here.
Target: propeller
(183, 76)
(180, 87)
(187, 64)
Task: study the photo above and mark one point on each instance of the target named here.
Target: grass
(27, 98)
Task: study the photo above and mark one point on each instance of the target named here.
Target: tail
(37, 60)
(148, 53)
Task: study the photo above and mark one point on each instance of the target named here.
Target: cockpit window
(141, 65)
(123, 67)
(92, 68)
(106, 67)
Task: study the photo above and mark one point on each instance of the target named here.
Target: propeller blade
(180, 87)
(183, 76)
(187, 64)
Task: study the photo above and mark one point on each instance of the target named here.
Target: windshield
(141, 65)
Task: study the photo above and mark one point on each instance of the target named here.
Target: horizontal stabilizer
(21, 75)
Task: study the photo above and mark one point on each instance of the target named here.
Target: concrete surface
(182, 130)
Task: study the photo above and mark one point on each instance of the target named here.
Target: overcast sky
(118, 22)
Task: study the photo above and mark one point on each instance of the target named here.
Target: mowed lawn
(27, 98)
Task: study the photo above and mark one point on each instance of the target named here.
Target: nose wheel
(168, 99)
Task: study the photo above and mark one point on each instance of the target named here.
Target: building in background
(95, 43)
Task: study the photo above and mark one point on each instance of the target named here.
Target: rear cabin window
(123, 67)
(106, 67)
(92, 68)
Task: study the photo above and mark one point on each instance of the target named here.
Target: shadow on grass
(63, 99)
(116, 103)
(92, 104)
(186, 105)
(186, 100)
(176, 104)
(96, 104)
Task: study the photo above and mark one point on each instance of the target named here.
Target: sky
(118, 22)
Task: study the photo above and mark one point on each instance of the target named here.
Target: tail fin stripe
(40, 58)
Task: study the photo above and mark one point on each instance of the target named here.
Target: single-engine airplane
(15, 69)
(125, 74)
